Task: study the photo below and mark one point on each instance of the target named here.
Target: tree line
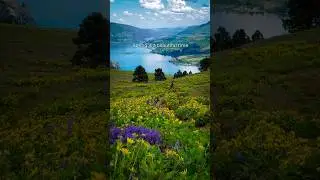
(222, 39)
(140, 74)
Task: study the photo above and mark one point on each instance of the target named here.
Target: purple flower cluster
(134, 132)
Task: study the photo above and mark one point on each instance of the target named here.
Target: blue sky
(160, 13)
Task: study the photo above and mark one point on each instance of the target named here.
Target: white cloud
(191, 17)
(177, 19)
(151, 4)
(140, 15)
(204, 10)
(111, 1)
(156, 14)
(122, 20)
(179, 6)
(168, 12)
(114, 15)
(153, 19)
(127, 13)
(142, 18)
(161, 17)
(148, 12)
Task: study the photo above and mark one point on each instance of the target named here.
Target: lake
(130, 57)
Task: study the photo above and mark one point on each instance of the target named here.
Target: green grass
(269, 108)
(268, 126)
(41, 92)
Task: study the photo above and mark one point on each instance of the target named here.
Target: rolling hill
(197, 38)
(122, 33)
(54, 118)
(268, 96)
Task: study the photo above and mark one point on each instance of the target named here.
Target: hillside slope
(52, 116)
(122, 33)
(197, 38)
(53, 121)
(268, 99)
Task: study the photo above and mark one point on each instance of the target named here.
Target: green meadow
(268, 123)
(54, 117)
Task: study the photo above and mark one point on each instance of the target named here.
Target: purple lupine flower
(153, 137)
(114, 134)
(133, 132)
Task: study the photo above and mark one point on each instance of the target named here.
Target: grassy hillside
(122, 33)
(197, 38)
(54, 117)
(176, 116)
(269, 109)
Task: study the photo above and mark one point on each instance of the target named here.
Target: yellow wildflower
(132, 169)
(172, 153)
(184, 172)
(145, 143)
(130, 141)
(118, 146)
(125, 151)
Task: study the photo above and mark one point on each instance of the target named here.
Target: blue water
(130, 57)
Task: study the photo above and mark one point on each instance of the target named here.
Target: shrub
(140, 75)
(203, 120)
(204, 64)
(184, 73)
(191, 110)
(90, 41)
(159, 75)
(177, 74)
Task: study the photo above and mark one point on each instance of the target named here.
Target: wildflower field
(54, 121)
(268, 99)
(158, 132)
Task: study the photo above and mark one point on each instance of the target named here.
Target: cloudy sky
(160, 13)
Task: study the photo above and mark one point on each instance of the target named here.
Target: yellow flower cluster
(171, 153)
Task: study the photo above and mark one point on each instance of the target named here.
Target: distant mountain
(13, 12)
(203, 29)
(126, 33)
(197, 37)
(122, 33)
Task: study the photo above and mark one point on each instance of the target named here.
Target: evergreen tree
(140, 75)
(302, 15)
(240, 38)
(184, 73)
(92, 41)
(204, 64)
(222, 39)
(257, 35)
(159, 75)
